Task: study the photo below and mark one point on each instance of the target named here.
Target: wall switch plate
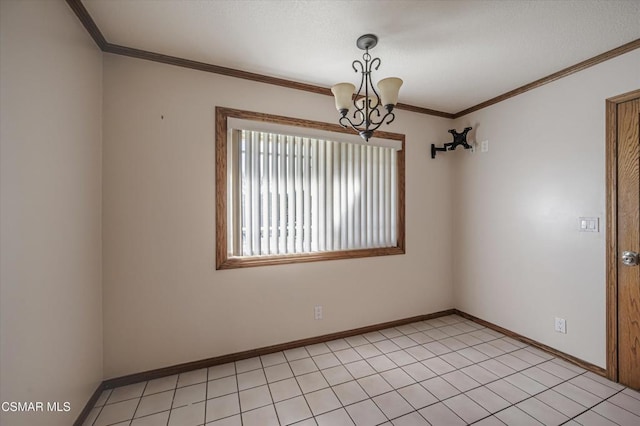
(484, 146)
(589, 224)
(561, 325)
(317, 312)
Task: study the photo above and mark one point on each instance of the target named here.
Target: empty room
(298, 212)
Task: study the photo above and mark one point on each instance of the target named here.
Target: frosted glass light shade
(343, 92)
(389, 89)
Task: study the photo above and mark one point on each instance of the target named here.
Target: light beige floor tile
(508, 391)
(284, 389)
(420, 353)
(272, 359)
(190, 415)
(615, 414)
(265, 416)
(126, 392)
(335, 418)
(252, 379)
(117, 412)
(355, 341)
(297, 353)
(456, 360)
(460, 381)
(412, 419)
(192, 377)
(525, 383)
(403, 342)
(438, 365)
(542, 412)
(158, 419)
(374, 385)
(360, 369)
(326, 360)
(278, 372)
(592, 386)
(350, 392)
(312, 382)
(223, 386)
(516, 417)
(338, 345)
(347, 355)
(488, 399)
(417, 396)
(255, 398)
(368, 351)
(542, 376)
(154, 403)
(366, 413)
(473, 355)
(317, 349)
(577, 394)
(627, 402)
(228, 421)
(249, 364)
(466, 408)
(440, 388)
(189, 395)
(561, 403)
(292, 410)
(397, 378)
(303, 366)
(223, 406)
(591, 418)
(223, 370)
(392, 404)
(440, 415)
(401, 358)
(322, 401)
(161, 385)
(381, 363)
(479, 374)
(336, 375)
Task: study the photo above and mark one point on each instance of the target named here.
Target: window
(291, 190)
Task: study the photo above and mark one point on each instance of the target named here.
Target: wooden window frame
(224, 261)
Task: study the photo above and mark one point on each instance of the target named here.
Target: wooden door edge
(611, 159)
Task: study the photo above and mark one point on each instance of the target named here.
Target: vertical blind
(292, 194)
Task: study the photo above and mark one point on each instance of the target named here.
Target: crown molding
(93, 30)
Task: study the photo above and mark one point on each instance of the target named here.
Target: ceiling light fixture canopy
(367, 115)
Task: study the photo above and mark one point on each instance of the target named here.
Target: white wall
(164, 301)
(520, 260)
(50, 174)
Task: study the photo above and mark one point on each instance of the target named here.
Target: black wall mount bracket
(458, 139)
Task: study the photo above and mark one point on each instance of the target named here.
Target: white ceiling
(451, 54)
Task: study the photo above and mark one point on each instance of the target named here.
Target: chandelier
(367, 115)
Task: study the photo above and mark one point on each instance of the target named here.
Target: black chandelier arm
(348, 123)
(391, 116)
(375, 64)
(370, 84)
(369, 125)
(355, 115)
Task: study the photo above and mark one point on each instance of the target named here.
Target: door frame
(611, 159)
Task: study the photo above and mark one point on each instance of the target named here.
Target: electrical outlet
(317, 312)
(484, 146)
(561, 325)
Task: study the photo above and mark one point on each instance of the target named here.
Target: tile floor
(445, 371)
